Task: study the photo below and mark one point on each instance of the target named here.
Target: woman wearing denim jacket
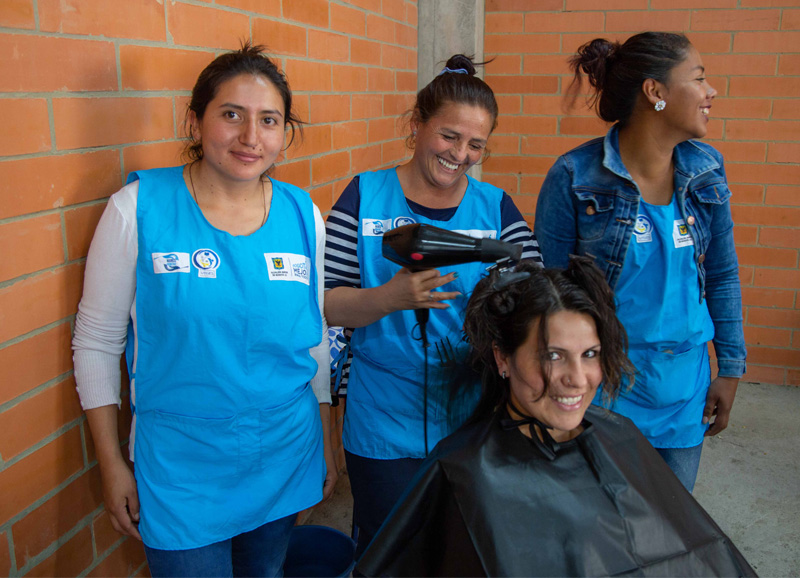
(651, 206)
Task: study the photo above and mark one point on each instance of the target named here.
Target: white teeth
(704, 110)
(446, 164)
(569, 400)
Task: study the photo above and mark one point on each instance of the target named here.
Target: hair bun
(461, 61)
(594, 59)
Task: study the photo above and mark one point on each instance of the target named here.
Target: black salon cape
(488, 503)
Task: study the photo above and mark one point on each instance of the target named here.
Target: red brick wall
(751, 50)
(89, 91)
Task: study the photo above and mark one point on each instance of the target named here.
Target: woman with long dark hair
(540, 482)
(651, 205)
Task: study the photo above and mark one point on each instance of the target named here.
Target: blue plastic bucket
(319, 551)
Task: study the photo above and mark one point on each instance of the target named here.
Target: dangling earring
(660, 105)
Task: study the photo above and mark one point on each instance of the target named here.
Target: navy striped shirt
(341, 247)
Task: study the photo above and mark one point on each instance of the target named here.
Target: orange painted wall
(89, 91)
(751, 50)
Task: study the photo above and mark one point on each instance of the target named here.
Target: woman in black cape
(538, 482)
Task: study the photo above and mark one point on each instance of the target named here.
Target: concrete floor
(749, 480)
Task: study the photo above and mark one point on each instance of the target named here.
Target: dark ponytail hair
(247, 60)
(616, 71)
(501, 313)
(453, 85)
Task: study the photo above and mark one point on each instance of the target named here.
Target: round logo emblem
(400, 221)
(643, 225)
(205, 259)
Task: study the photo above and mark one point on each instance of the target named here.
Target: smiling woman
(538, 483)
(651, 206)
(202, 262)
(388, 425)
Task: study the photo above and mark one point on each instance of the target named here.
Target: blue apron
(228, 435)
(658, 302)
(385, 417)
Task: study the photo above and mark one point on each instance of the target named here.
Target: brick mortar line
(37, 446)
(49, 384)
(99, 560)
(46, 212)
(60, 541)
(38, 331)
(169, 41)
(81, 150)
(161, 93)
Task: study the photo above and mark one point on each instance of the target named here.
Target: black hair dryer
(419, 247)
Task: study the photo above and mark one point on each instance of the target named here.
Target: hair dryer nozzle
(421, 246)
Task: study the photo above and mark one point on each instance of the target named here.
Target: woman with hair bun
(651, 206)
(388, 424)
(539, 482)
(208, 276)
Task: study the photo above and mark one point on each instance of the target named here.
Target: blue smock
(668, 326)
(385, 417)
(228, 435)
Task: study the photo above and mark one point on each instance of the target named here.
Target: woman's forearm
(352, 307)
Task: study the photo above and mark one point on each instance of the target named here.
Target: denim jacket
(588, 206)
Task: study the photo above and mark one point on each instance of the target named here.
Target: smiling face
(242, 129)
(574, 373)
(450, 143)
(688, 96)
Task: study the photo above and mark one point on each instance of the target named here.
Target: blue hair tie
(456, 71)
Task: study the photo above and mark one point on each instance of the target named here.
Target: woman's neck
(418, 189)
(223, 189)
(237, 208)
(648, 159)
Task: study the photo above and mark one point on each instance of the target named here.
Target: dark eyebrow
(240, 107)
(702, 68)
(451, 131)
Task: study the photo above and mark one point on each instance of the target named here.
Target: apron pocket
(667, 379)
(289, 431)
(186, 449)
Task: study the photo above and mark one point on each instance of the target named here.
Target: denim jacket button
(690, 220)
(590, 210)
(701, 258)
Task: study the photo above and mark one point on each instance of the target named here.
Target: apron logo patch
(643, 229)
(400, 221)
(375, 227)
(680, 234)
(170, 263)
(207, 263)
(288, 267)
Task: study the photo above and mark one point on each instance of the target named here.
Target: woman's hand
(119, 486)
(407, 290)
(332, 472)
(352, 307)
(332, 475)
(719, 402)
(121, 497)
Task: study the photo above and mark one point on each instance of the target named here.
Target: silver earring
(660, 105)
(414, 133)
(504, 375)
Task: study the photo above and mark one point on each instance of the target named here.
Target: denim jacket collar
(690, 160)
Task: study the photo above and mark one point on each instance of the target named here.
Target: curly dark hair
(249, 59)
(616, 71)
(501, 314)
